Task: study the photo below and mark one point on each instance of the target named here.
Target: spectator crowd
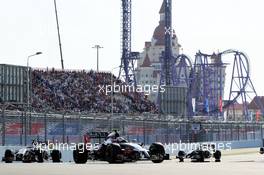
(78, 91)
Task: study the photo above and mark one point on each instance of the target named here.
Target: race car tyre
(39, 156)
(28, 157)
(217, 156)
(167, 157)
(207, 154)
(114, 154)
(200, 156)
(9, 156)
(80, 155)
(19, 157)
(45, 155)
(55, 156)
(261, 150)
(181, 155)
(135, 156)
(157, 152)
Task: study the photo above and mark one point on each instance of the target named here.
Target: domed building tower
(149, 65)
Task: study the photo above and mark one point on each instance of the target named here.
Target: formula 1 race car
(31, 154)
(199, 155)
(116, 149)
(26, 155)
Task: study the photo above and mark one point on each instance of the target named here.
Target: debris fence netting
(21, 128)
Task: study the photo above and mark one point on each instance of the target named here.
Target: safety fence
(17, 128)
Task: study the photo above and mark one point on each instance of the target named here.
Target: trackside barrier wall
(67, 154)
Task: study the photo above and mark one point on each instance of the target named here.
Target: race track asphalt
(233, 163)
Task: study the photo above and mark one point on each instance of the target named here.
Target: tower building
(149, 65)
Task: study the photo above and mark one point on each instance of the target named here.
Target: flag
(220, 104)
(257, 115)
(193, 104)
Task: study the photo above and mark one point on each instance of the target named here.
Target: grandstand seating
(78, 91)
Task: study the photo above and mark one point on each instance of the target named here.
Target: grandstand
(78, 91)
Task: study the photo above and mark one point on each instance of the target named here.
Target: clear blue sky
(28, 26)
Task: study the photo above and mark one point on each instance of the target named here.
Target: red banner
(16, 128)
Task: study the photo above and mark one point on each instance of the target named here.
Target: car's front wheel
(157, 152)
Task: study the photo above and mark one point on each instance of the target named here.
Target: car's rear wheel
(217, 156)
(207, 154)
(261, 150)
(201, 156)
(157, 152)
(28, 157)
(181, 155)
(9, 156)
(39, 156)
(55, 156)
(113, 153)
(80, 156)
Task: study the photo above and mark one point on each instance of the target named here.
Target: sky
(29, 26)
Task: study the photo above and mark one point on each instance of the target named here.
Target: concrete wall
(173, 148)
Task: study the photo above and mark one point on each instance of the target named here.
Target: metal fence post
(22, 128)
(123, 126)
(167, 133)
(219, 135)
(63, 128)
(238, 132)
(110, 123)
(79, 128)
(246, 131)
(45, 127)
(225, 133)
(29, 123)
(254, 131)
(261, 131)
(231, 138)
(3, 126)
(180, 131)
(25, 129)
(144, 132)
(188, 131)
(211, 133)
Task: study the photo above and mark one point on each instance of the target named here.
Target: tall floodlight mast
(128, 58)
(167, 58)
(59, 37)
